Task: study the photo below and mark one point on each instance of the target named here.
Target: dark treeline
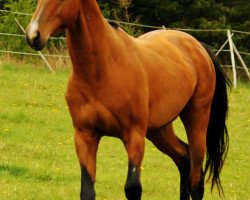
(204, 14)
(197, 14)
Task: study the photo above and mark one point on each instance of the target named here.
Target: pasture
(37, 155)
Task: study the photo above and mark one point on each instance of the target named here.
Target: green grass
(37, 155)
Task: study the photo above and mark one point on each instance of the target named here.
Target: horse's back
(178, 68)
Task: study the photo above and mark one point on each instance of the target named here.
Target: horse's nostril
(32, 36)
(36, 36)
(34, 40)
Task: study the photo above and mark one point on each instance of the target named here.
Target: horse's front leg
(134, 142)
(86, 142)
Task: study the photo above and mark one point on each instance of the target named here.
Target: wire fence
(146, 26)
(17, 13)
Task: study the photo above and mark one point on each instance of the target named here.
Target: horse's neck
(87, 39)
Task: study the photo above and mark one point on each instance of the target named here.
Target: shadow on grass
(14, 170)
(26, 174)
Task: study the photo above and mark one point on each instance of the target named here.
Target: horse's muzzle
(33, 37)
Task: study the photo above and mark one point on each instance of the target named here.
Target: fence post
(232, 58)
(241, 60)
(41, 55)
(222, 47)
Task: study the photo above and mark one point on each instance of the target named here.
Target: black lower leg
(133, 188)
(197, 191)
(184, 170)
(87, 185)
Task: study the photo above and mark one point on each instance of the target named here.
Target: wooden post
(241, 60)
(222, 47)
(232, 58)
(39, 52)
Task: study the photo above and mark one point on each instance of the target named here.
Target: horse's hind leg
(195, 119)
(167, 142)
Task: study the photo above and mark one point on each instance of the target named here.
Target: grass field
(37, 156)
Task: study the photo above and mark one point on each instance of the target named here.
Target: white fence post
(222, 47)
(241, 61)
(232, 58)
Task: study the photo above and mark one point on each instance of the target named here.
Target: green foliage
(109, 11)
(119, 11)
(197, 14)
(2, 3)
(9, 24)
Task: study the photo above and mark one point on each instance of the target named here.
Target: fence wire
(109, 20)
(145, 26)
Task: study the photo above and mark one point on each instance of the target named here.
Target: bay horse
(132, 89)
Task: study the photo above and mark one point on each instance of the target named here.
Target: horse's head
(50, 16)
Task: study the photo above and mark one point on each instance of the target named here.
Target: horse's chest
(108, 113)
(92, 116)
(110, 107)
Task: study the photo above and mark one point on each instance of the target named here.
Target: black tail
(217, 134)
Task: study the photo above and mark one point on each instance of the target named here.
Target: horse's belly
(168, 97)
(163, 113)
